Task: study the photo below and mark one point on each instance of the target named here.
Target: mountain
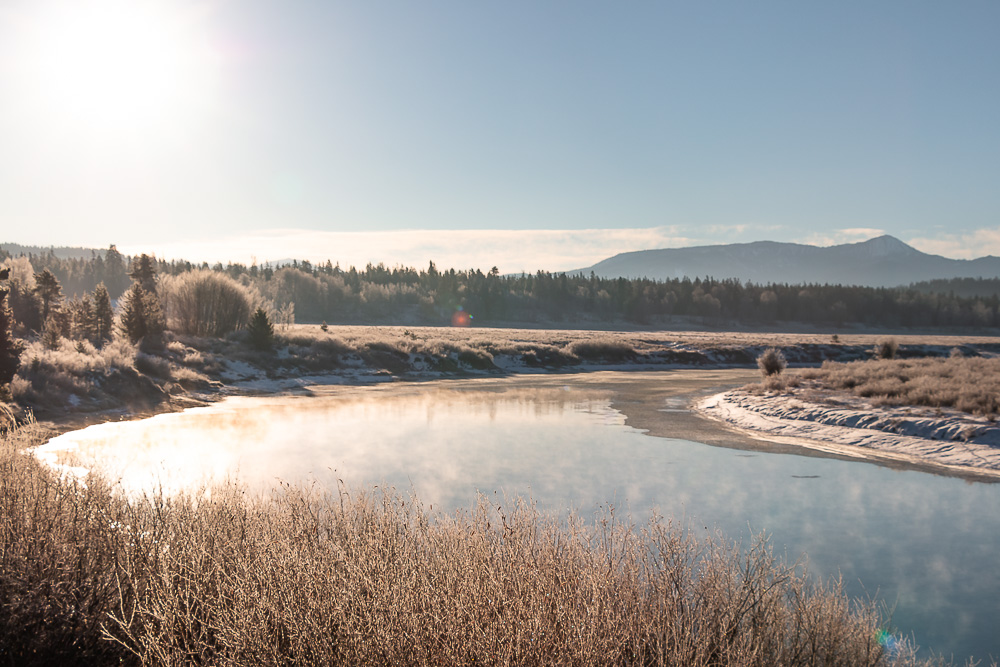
(884, 261)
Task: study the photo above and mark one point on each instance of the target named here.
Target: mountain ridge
(883, 261)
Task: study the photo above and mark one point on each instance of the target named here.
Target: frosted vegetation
(969, 385)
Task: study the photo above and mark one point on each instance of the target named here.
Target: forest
(44, 285)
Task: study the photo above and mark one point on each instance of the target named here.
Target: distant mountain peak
(885, 245)
(884, 261)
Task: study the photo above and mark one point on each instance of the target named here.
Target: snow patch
(954, 439)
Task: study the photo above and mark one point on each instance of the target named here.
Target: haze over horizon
(522, 135)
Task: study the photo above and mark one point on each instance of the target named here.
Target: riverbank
(957, 442)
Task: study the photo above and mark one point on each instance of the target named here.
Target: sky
(525, 135)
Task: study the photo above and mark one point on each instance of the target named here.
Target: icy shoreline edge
(958, 442)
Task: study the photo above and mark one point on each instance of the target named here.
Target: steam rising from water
(567, 447)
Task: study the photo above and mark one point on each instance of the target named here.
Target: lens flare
(891, 643)
(460, 318)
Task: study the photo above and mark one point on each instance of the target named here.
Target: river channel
(925, 544)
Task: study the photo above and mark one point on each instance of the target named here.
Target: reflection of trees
(540, 401)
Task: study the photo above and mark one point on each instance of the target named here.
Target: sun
(115, 66)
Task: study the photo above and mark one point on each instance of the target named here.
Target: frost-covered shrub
(886, 348)
(771, 362)
(206, 303)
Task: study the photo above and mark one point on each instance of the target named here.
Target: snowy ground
(942, 437)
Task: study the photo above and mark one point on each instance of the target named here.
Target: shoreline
(792, 421)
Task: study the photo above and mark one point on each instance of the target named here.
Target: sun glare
(111, 66)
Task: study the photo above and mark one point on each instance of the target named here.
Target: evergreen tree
(51, 337)
(261, 330)
(156, 322)
(133, 320)
(10, 348)
(143, 271)
(83, 325)
(115, 276)
(103, 314)
(141, 314)
(49, 290)
(25, 305)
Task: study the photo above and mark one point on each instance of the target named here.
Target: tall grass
(307, 577)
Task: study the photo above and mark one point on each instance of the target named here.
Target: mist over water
(924, 544)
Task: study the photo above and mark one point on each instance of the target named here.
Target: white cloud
(740, 230)
(968, 245)
(509, 250)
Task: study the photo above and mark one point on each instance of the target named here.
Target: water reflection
(446, 444)
(923, 543)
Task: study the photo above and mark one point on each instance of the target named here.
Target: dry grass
(304, 577)
(602, 348)
(402, 349)
(967, 384)
(641, 341)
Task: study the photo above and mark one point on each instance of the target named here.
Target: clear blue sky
(394, 130)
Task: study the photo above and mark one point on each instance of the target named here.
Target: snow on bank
(950, 439)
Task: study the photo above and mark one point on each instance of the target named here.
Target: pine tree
(115, 276)
(156, 323)
(144, 272)
(141, 314)
(261, 330)
(104, 316)
(51, 335)
(84, 325)
(25, 306)
(132, 318)
(49, 290)
(10, 348)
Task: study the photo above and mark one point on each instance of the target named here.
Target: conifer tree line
(405, 295)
